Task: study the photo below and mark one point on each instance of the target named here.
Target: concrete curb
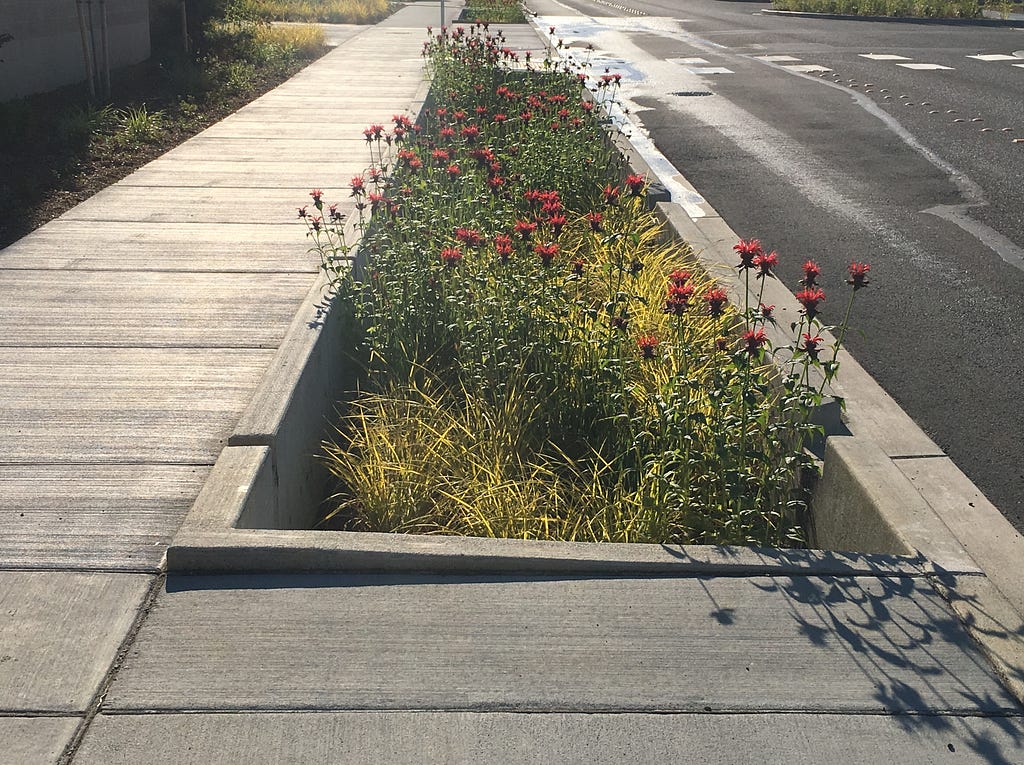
(887, 489)
(897, 19)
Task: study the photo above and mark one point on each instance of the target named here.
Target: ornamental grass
(539, 360)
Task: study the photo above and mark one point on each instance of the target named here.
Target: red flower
(809, 299)
(748, 250)
(525, 228)
(647, 344)
(471, 133)
(526, 115)
(611, 194)
(447, 132)
(810, 345)
(317, 195)
(678, 299)
(679, 277)
(594, 219)
(358, 185)
(440, 157)
(767, 311)
(766, 263)
(547, 252)
(454, 171)
(503, 246)
(469, 236)
(858, 275)
(716, 298)
(753, 339)
(302, 211)
(499, 118)
(577, 266)
(315, 222)
(635, 183)
(811, 273)
(451, 256)
(557, 222)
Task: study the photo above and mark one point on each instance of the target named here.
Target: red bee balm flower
(679, 277)
(753, 339)
(810, 345)
(611, 194)
(716, 298)
(594, 219)
(648, 345)
(858, 275)
(451, 256)
(470, 236)
(317, 195)
(811, 273)
(678, 299)
(546, 252)
(766, 263)
(525, 228)
(358, 185)
(748, 250)
(635, 183)
(809, 299)
(556, 222)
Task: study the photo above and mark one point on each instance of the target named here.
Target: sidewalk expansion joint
(122, 651)
(596, 709)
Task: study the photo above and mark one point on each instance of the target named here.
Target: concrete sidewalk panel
(70, 245)
(59, 634)
(35, 740)
(103, 405)
(273, 643)
(125, 204)
(148, 309)
(111, 517)
(274, 172)
(411, 738)
(975, 521)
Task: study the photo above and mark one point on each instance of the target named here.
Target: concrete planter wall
(46, 49)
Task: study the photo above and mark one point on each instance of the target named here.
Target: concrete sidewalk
(136, 328)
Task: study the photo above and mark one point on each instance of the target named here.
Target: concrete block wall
(46, 51)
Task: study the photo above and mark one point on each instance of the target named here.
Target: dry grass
(305, 40)
(324, 11)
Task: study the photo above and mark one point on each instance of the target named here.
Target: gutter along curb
(887, 488)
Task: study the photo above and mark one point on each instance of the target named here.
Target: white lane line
(806, 68)
(883, 57)
(924, 66)
(710, 70)
(776, 59)
(689, 61)
(994, 57)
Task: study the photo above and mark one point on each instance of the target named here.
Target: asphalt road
(913, 169)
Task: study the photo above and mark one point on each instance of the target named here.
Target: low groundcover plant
(540, 360)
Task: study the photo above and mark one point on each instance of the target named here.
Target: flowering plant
(541, 361)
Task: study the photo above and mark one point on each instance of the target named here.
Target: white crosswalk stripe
(806, 68)
(923, 67)
(776, 59)
(883, 57)
(710, 70)
(994, 57)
